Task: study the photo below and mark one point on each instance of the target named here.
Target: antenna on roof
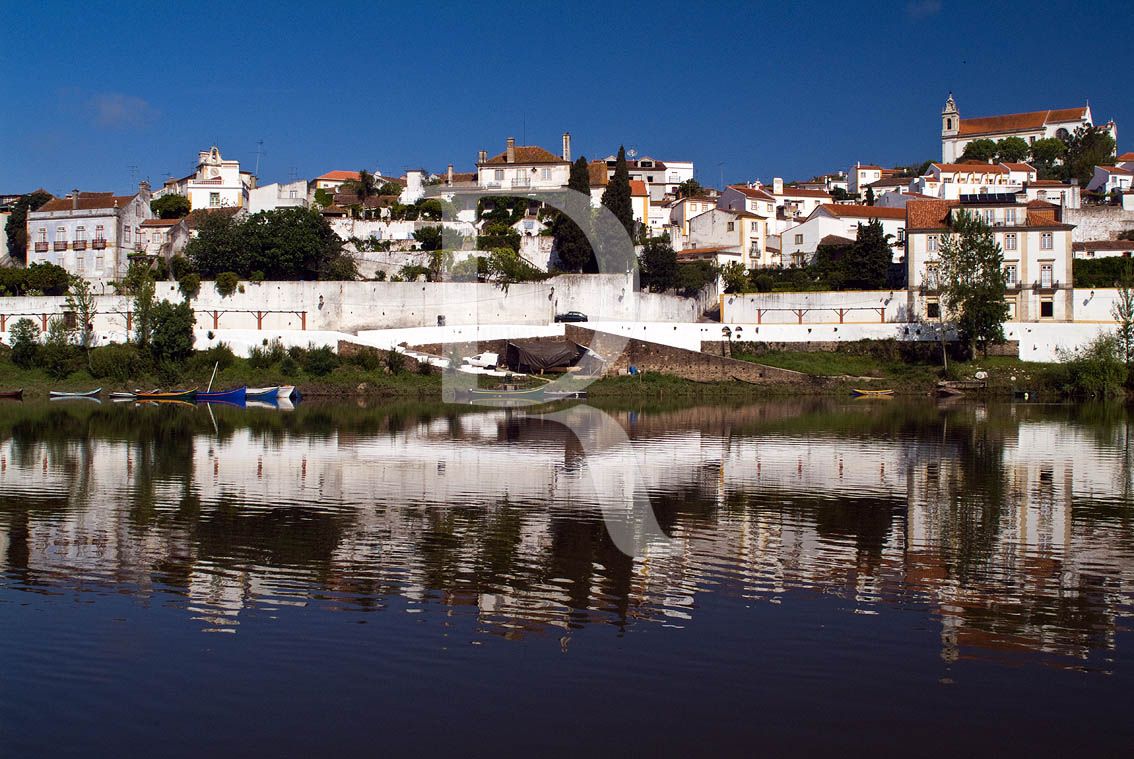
(292, 173)
(259, 150)
(633, 153)
(133, 174)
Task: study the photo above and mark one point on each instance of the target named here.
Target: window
(799, 239)
(214, 200)
(1011, 303)
(1045, 275)
(989, 216)
(1045, 241)
(755, 226)
(141, 238)
(1010, 275)
(732, 226)
(126, 234)
(933, 241)
(948, 123)
(98, 263)
(43, 234)
(932, 309)
(79, 263)
(901, 234)
(1047, 309)
(80, 234)
(1010, 241)
(60, 234)
(99, 233)
(1009, 215)
(498, 175)
(649, 177)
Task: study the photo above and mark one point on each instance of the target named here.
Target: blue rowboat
(236, 396)
(88, 394)
(263, 393)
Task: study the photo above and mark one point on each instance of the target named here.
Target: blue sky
(746, 90)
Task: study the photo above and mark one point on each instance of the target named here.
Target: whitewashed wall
(744, 307)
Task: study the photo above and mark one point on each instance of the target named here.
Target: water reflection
(1008, 526)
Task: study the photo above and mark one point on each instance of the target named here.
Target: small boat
(527, 394)
(872, 393)
(84, 398)
(263, 393)
(173, 395)
(286, 391)
(14, 395)
(123, 396)
(88, 394)
(224, 396)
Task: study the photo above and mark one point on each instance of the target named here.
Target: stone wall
(621, 353)
(855, 348)
(1098, 222)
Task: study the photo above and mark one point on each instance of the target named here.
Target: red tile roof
(525, 154)
(1037, 203)
(1115, 170)
(1018, 122)
(339, 176)
(971, 168)
(927, 214)
(638, 187)
(868, 166)
(88, 201)
(1048, 183)
(703, 251)
(1038, 217)
(161, 222)
(802, 192)
(597, 172)
(752, 192)
(1126, 157)
(863, 212)
(1122, 245)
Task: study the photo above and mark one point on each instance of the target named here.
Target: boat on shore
(59, 394)
(173, 395)
(235, 396)
(123, 396)
(262, 393)
(856, 392)
(12, 395)
(531, 394)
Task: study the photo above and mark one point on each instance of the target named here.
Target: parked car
(483, 360)
(571, 316)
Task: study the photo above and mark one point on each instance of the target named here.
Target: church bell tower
(950, 128)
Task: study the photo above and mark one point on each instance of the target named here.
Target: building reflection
(1009, 526)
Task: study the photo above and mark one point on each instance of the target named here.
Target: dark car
(571, 316)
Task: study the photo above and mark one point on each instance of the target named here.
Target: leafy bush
(44, 278)
(220, 356)
(190, 284)
(319, 361)
(172, 338)
(119, 362)
(1096, 369)
(227, 282)
(1101, 272)
(179, 266)
(395, 361)
(364, 359)
(763, 283)
(25, 342)
(288, 367)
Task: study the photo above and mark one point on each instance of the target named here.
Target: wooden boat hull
(533, 395)
(872, 393)
(12, 395)
(179, 395)
(262, 393)
(236, 396)
(89, 394)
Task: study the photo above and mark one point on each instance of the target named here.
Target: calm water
(849, 577)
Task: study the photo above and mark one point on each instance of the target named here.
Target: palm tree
(365, 187)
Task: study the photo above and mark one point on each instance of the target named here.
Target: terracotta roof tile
(88, 201)
(802, 192)
(868, 166)
(1122, 245)
(1041, 217)
(339, 176)
(1016, 122)
(1018, 166)
(161, 222)
(1115, 170)
(597, 172)
(1126, 157)
(863, 212)
(974, 168)
(638, 187)
(525, 154)
(927, 214)
(703, 251)
(752, 192)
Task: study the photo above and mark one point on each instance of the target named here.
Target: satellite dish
(632, 152)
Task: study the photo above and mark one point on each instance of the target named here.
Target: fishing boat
(263, 393)
(13, 395)
(59, 394)
(235, 396)
(123, 396)
(173, 395)
(527, 394)
(872, 393)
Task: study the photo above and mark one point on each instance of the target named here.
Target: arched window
(1062, 133)
(948, 123)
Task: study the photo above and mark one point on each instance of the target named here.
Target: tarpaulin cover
(533, 355)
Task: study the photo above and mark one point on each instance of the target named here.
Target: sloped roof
(162, 222)
(339, 176)
(88, 201)
(525, 154)
(1126, 157)
(863, 212)
(1017, 122)
(1122, 245)
(1018, 166)
(752, 192)
(638, 187)
(836, 240)
(803, 192)
(1115, 170)
(927, 214)
(974, 168)
(596, 170)
(703, 251)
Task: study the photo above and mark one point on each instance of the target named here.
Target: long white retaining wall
(868, 306)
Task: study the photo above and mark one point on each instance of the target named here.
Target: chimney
(566, 146)
(511, 150)
(778, 186)
(482, 156)
(144, 188)
(75, 199)
(450, 175)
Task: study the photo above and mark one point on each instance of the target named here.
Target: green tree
(364, 187)
(657, 265)
(1123, 311)
(616, 197)
(57, 354)
(868, 259)
(172, 338)
(171, 206)
(81, 300)
(287, 244)
(25, 342)
(869, 196)
(690, 188)
(218, 246)
(982, 149)
(1087, 148)
(1013, 150)
(429, 238)
(17, 225)
(971, 282)
(390, 188)
(143, 313)
(735, 277)
(571, 243)
(1047, 155)
(505, 267)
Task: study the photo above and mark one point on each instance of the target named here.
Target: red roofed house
(861, 175)
(90, 234)
(216, 183)
(742, 232)
(799, 243)
(525, 167)
(1035, 242)
(1108, 179)
(1036, 125)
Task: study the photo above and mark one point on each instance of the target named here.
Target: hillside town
(1050, 184)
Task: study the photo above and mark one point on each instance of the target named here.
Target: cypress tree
(570, 240)
(616, 197)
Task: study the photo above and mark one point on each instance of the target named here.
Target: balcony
(98, 244)
(41, 247)
(60, 245)
(79, 245)
(521, 184)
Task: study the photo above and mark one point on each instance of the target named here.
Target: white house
(956, 132)
(799, 243)
(216, 183)
(163, 238)
(797, 202)
(276, 195)
(90, 234)
(684, 209)
(1036, 245)
(525, 167)
(662, 178)
(757, 200)
(1108, 179)
(735, 231)
(1103, 249)
(861, 175)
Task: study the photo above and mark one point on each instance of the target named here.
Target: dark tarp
(534, 356)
